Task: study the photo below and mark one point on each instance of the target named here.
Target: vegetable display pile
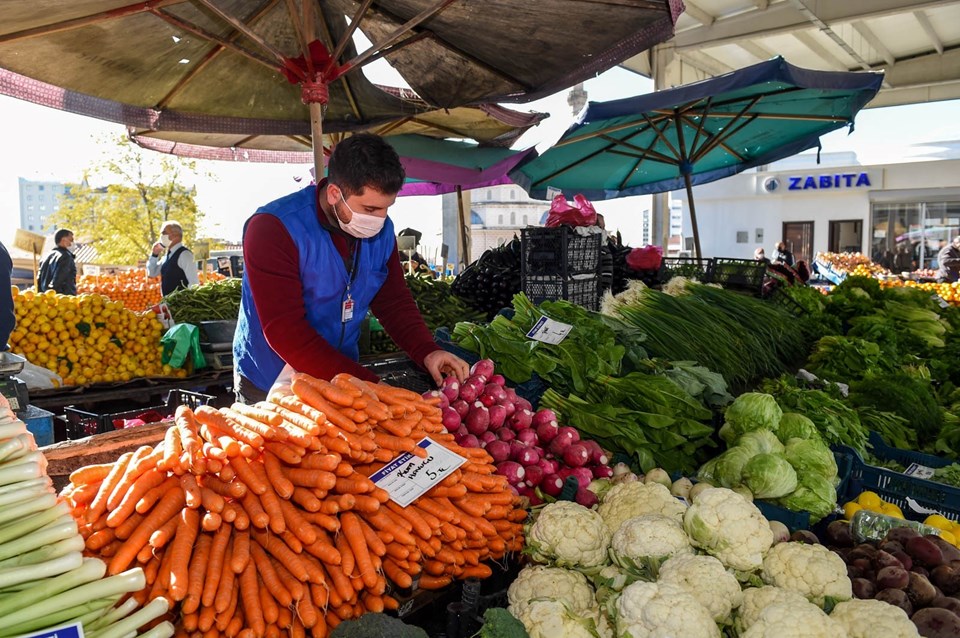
(489, 283)
(45, 580)
(647, 564)
(207, 302)
(742, 338)
(530, 449)
(262, 519)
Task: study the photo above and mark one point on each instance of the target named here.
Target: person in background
(8, 320)
(781, 254)
(948, 259)
(760, 255)
(178, 268)
(58, 272)
(314, 262)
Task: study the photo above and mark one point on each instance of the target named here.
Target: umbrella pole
(463, 255)
(693, 215)
(316, 129)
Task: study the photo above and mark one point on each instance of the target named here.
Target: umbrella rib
(389, 127)
(645, 152)
(610, 129)
(206, 35)
(77, 23)
(784, 116)
(354, 24)
(703, 121)
(298, 29)
(347, 89)
(712, 144)
(301, 140)
(245, 30)
(439, 127)
(404, 28)
(710, 137)
(661, 136)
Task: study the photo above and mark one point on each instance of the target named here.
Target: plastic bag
(181, 342)
(645, 258)
(580, 213)
(38, 378)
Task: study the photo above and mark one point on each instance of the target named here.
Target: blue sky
(43, 143)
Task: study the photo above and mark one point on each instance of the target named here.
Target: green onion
(21, 527)
(47, 552)
(20, 472)
(117, 613)
(59, 530)
(85, 571)
(54, 616)
(41, 501)
(154, 609)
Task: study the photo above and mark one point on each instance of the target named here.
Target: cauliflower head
(539, 581)
(811, 570)
(756, 599)
(643, 542)
(706, 579)
(627, 500)
(662, 610)
(869, 618)
(794, 620)
(569, 535)
(544, 618)
(728, 526)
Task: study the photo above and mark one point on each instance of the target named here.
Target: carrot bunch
(262, 521)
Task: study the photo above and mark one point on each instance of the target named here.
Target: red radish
(470, 441)
(462, 431)
(487, 438)
(450, 388)
(498, 379)
(547, 431)
(564, 439)
(597, 455)
(530, 494)
(520, 419)
(527, 456)
(461, 406)
(478, 419)
(470, 392)
(437, 394)
(506, 434)
(451, 420)
(498, 414)
(551, 485)
(497, 391)
(523, 404)
(586, 498)
(499, 450)
(527, 436)
(602, 471)
(544, 415)
(487, 399)
(516, 447)
(483, 367)
(513, 471)
(534, 474)
(508, 406)
(576, 455)
(511, 394)
(582, 474)
(549, 466)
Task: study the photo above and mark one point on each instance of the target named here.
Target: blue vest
(324, 278)
(171, 274)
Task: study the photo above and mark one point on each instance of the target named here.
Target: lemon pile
(87, 338)
(949, 530)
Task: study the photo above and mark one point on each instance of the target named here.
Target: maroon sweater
(271, 265)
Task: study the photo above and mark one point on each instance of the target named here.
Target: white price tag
(549, 331)
(407, 477)
(940, 300)
(919, 471)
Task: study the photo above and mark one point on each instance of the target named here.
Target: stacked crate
(560, 263)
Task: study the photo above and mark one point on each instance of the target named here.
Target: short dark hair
(63, 232)
(364, 160)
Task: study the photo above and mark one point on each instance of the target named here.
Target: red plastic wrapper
(580, 213)
(645, 258)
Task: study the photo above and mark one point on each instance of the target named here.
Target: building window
(513, 218)
(43, 207)
(909, 235)
(31, 226)
(40, 187)
(29, 198)
(513, 194)
(743, 236)
(489, 194)
(500, 220)
(525, 222)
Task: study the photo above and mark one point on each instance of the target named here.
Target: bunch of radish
(531, 449)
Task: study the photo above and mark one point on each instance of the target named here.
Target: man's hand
(441, 363)
(157, 249)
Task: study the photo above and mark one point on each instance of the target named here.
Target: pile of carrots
(262, 521)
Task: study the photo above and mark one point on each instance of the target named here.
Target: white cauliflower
(794, 620)
(811, 570)
(706, 579)
(756, 599)
(643, 542)
(869, 618)
(539, 581)
(543, 618)
(726, 525)
(569, 535)
(627, 500)
(662, 610)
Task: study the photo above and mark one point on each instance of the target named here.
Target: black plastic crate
(558, 251)
(81, 423)
(401, 372)
(779, 297)
(690, 267)
(738, 274)
(583, 291)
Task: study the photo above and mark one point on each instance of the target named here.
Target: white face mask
(165, 241)
(72, 248)
(361, 225)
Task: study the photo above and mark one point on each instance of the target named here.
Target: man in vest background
(178, 268)
(58, 272)
(314, 262)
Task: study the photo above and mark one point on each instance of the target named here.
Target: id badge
(346, 311)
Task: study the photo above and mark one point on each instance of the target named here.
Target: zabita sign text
(821, 182)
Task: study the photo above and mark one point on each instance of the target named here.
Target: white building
(38, 200)
(838, 205)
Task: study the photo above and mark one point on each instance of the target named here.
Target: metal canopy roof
(917, 42)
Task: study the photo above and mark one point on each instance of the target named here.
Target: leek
(47, 552)
(154, 609)
(11, 430)
(54, 617)
(59, 530)
(18, 511)
(21, 527)
(42, 482)
(163, 630)
(16, 447)
(20, 472)
(117, 613)
(9, 499)
(26, 574)
(88, 570)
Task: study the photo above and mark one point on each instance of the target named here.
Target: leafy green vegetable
(208, 302)
(893, 428)
(374, 625)
(846, 359)
(761, 442)
(729, 466)
(814, 494)
(796, 426)
(769, 476)
(700, 382)
(500, 623)
(907, 395)
(811, 456)
(750, 411)
(837, 423)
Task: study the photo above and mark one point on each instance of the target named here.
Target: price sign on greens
(408, 476)
(549, 331)
(919, 471)
(74, 630)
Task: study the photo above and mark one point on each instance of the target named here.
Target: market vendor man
(314, 262)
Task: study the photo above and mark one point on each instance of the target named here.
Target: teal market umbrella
(697, 133)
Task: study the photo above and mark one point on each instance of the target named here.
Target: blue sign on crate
(74, 630)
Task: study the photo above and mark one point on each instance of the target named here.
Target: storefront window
(908, 236)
